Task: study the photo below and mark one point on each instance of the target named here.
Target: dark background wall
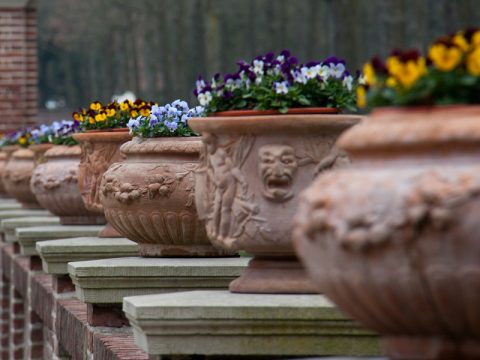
(91, 49)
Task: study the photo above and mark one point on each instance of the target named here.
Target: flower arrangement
(279, 82)
(450, 74)
(168, 120)
(112, 115)
(58, 133)
(22, 138)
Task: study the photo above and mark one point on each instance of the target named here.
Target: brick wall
(18, 64)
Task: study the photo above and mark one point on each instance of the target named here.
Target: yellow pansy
(101, 117)
(22, 140)
(369, 73)
(445, 58)
(144, 111)
(95, 106)
(391, 82)
(124, 106)
(91, 120)
(460, 41)
(361, 97)
(473, 62)
(133, 113)
(394, 65)
(111, 112)
(408, 73)
(77, 117)
(476, 38)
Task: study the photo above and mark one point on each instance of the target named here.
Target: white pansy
(205, 98)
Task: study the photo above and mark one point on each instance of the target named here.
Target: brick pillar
(18, 64)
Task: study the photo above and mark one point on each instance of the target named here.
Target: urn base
(430, 348)
(162, 250)
(31, 205)
(82, 220)
(109, 232)
(273, 276)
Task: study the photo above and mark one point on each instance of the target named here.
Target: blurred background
(93, 49)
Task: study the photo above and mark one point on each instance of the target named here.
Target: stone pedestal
(17, 213)
(108, 281)
(9, 204)
(223, 323)
(8, 226)
(103, 284)
(28, 237)
(56, 254)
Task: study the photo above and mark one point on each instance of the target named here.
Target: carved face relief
(277, 167)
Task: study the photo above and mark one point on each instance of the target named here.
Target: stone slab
(8, 226)
(28, 237)
(16, 213)
(56, 254)
(108, 281)
(223, 323)
(9, 204)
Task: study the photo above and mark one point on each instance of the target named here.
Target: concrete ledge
(17, 213)
(28, 237)
(9, 204)
(222, 323)
(56, 254)
(108, 281)
(8, 226)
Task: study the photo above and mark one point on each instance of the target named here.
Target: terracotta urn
(17, 175)
(100, 149)
(149, 197)
(252, 170)
(3, 164)
(393, 239)
(39, 151)
(55, 185)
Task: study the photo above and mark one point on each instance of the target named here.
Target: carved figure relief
(277, 167)
(95, 161)
(229, 206)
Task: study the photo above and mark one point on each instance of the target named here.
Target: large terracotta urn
(394, 239)
(17, 175)
(39, 151)
(149, 197)
(55, 185)
(252, 170)
(100, 149)
(3, 164)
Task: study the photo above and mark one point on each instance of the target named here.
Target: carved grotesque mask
(277, 168)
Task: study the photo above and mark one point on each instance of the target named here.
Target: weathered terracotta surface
(3, 164)
(39, 151)
(99, 151)
(16, 178)
(252, 171)
(149, 197)
(393, 240)
(55, 184)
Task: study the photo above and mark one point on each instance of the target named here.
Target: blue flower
(171, 125)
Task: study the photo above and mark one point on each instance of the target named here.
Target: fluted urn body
(394, 239)
(149, 197)
(253, 168)
(100, 149)
(17, 175)
(55, 185)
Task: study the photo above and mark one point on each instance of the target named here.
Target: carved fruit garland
(161, 184)
(53, 182)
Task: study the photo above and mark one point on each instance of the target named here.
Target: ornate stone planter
(100, 149)
(253, 168)
(393, 240)
(55, 184)
(39, 151)
(149, 197)
(3, 164)
(17, 175)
